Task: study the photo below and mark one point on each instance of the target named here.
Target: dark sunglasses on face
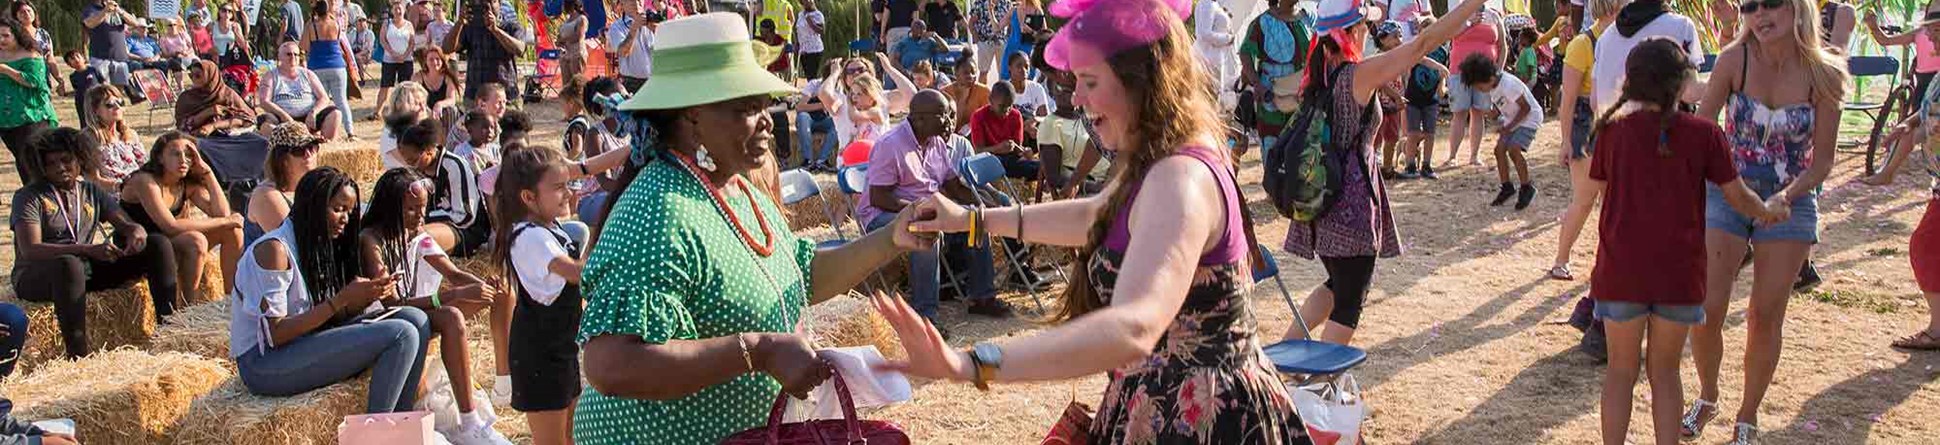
(114, 103)
(1754, 5)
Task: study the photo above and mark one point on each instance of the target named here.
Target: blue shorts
(1462, 98)
(1622, 311)
(1580, 147)
(1522, 138)
(1803, 226)
(1422, 119)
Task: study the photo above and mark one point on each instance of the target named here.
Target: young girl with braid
(1653, 162)
(395, 242)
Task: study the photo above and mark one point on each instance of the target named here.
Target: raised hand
(929, 356)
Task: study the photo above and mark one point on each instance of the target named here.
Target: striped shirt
(455, 199)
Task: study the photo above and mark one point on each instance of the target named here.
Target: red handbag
(848, 430)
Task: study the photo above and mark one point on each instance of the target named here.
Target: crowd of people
(1123, 121)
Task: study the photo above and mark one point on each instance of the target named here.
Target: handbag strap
(841, 392)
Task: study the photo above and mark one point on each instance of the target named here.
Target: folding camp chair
(979, 172)
(798, 185)
(545, 80)
(1308, 359)
(1880, 112)
(155, 88)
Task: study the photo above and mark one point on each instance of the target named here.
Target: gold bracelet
(746, 355)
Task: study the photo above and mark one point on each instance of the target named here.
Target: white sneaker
(481, 434)
(502, 390)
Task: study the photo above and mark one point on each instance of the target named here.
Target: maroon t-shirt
(1650, 246)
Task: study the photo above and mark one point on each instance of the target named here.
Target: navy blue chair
(1305, 357)
(1880, 112)
(979, 172)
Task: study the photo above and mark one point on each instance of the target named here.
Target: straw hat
(703, 59)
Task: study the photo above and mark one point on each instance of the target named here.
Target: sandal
(1561, 273)
(1696, 418)
(1744, 434)
(1921, 341)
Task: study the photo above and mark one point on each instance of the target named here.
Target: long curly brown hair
(1167, 84)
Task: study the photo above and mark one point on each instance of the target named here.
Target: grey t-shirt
(65, 217)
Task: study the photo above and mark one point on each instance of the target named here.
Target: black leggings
(1348, 278)
(66, 279)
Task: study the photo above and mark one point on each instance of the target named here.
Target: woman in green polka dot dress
(695, 284)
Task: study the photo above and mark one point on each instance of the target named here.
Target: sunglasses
(114, 103)
(293, 54)
(1754, 5)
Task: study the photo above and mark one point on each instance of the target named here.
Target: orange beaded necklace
(763, 249)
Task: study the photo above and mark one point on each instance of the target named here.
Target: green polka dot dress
(669, 267)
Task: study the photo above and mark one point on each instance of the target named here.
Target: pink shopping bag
(412, 428)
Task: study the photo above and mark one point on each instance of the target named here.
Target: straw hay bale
(809, 214)
(202, 330)
(119, 396)
(362, 164)
(231, 415)
(482, 266)
(213, 287)
(849, 320)
(117, 317)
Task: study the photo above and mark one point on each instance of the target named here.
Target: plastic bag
(1331, 411)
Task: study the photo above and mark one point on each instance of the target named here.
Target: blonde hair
(407, 90)
(1826, 70)
(1166, 84)
(867, 84)
(1605, 8)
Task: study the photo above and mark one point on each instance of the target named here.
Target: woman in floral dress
(1162, 304)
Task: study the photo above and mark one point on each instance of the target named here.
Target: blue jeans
(590, 207)
(16, 321)
(925, 283)
(1622, 311)
(806, 125)
(392, 350)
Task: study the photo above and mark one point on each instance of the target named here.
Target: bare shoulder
(271, 254)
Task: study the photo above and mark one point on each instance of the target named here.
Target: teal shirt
(30, 102)
(668, 266)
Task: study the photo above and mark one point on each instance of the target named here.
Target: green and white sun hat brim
(704, 59)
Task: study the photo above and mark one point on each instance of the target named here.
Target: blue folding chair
(798, 185)
(1882, 111)
(860, 46)
(1305, 357)
(978, 172)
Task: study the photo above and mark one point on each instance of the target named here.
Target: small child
(81, 77)
(1653, 164)
(544, 260)
(1520, 117)
(481, 145)
(1388, 135)
(1527, 58)
(511, 129)
(393, 240)
(998, 128)
(491, 101)
(1424, 107)
(457, 217)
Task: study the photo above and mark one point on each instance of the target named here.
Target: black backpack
(1305, 167)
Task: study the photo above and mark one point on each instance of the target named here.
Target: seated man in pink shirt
(910, 162)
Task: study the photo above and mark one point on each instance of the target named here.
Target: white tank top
(397, 37)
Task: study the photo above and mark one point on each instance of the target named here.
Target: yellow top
(1581, 55)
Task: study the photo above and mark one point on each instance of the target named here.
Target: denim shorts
(1622, 311)
(1422, 119)
(1462, 98)
(1580, 147)
(1522, 138)
(1802, 226)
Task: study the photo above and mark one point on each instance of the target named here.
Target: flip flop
(1921, 341)
(1561, 273)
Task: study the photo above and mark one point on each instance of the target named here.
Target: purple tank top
(1232, 245)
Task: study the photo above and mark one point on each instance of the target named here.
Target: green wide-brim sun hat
(704, 59)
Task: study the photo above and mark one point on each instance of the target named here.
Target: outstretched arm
(1376, 70)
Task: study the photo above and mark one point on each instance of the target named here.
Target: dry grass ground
(1464, 331)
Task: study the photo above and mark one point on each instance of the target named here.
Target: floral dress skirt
(1206, 381)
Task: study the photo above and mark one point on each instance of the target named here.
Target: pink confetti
(1811, 426)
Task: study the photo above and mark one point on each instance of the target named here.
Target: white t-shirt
(1613, 49)
(806, 38)
(1507, 89)
(420, 279)
(482, 156)
(1034, 96)
(532, 255)
(387, 150)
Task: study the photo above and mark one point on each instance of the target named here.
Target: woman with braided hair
(299, 321)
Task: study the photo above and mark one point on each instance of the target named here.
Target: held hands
(929, 356)
(790, 360)
(907, 238)
(1777, 210)
(938, 214)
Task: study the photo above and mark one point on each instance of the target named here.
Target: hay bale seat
(808, 213)
(362, 164)
(213, 287)
(202, 330)
(231, 415)
(123, 316)
(849, 320)
(120, 396)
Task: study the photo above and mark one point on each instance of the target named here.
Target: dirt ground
(1464, 332)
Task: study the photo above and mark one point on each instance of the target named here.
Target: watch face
(988, 354)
